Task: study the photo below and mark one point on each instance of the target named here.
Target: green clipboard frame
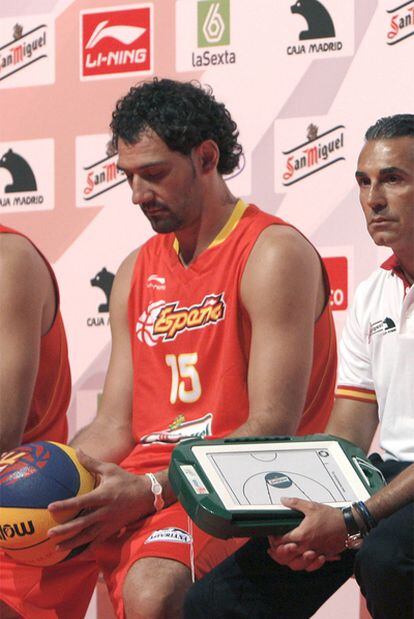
(196, 485)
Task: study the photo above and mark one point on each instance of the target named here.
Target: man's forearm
(106, 441)
(398, 493)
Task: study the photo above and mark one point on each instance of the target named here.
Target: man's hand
(119, 499)
(320, 537)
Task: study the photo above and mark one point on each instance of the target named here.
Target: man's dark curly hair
(388, 127)
(182, 114)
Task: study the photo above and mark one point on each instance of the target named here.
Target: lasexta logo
(116, 41)
(213, 22)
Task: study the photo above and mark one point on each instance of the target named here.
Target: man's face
(164, 183)
(385, 176)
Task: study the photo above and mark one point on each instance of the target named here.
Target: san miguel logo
(314, 155)
(23, 50)
(401, 24)
(116, 41)
(102, 175)
(164, 321)
(319, 28)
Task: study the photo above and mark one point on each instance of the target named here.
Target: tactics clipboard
(232, 487)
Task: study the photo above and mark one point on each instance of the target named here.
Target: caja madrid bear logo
(163, 321)
(319, 28)
(26, 175)
(116, 41)
(319, 21)
(22, 175)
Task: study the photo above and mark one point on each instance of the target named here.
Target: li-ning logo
(381, 327)
(157, 282)
(116, 41)
(124, 34)
(8, 531)
(102, 175)
(401, 25)
(163, 321)
(317, 153)
(23, 50)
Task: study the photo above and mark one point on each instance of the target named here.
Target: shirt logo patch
(156, 281)
(179, 430)
(171, 534)
(381, 327)
(164, 321)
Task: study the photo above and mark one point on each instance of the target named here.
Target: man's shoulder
(18, 252)
(375, 282)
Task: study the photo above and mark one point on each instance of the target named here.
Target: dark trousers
(251, 585)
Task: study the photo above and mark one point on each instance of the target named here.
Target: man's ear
(208, 156)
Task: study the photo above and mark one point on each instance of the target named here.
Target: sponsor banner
(399, 21)
(310, 29)
(337, 269)
(116, 41)
(96, 170)
(27, 51)
(339, 264)
(205, 37)
(305, 147)
(27, 176)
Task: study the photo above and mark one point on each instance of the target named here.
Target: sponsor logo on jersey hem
(179, 430)
(171, 534)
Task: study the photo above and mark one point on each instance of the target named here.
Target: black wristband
(350, 522)
(365, 514)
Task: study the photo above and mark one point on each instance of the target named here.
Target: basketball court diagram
(262, 477)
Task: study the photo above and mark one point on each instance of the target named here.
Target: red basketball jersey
(47, 414)
(190, 338)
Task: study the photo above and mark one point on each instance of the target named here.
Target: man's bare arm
(109, 436)
(27, 307)
(283, 292)
(354, 420)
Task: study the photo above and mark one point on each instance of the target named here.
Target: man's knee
(155, 589)
(8, 613)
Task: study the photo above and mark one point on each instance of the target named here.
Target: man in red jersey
(220, 326)
(34, 367)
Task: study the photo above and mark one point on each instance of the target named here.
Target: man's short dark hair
(182, 114)
(388, 127)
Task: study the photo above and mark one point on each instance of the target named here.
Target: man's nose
(376, 199)
(141, 193)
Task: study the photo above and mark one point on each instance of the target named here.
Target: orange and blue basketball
(31, 477)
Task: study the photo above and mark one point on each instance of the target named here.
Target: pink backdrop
(302, 105)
